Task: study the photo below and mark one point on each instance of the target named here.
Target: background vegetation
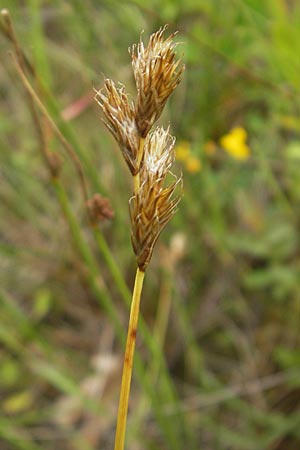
(221, 296)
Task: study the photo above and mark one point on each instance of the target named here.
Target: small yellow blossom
(234, 143)
(210, 147)
(193, 164)
(184, 154)
(183, 151)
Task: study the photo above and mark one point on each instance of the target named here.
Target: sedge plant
(97, 207)
(149, 154)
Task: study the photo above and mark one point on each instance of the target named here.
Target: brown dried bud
(153, 205)
(55, 162)
(119, 115)
(157, 74)
(100, 208)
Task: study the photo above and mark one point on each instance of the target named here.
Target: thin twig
(8, 31)
(67, 146)
(247, 388)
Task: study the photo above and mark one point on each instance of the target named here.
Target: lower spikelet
(153, 205)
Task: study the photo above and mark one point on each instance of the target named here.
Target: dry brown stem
(67, 146)
(35, 103)
(8, 30)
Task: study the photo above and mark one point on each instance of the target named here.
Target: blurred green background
(221, 297)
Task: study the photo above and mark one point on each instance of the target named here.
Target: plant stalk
(128, 361)
(136, 177)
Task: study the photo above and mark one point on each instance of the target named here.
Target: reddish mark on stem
(133, 333)
(132, 337)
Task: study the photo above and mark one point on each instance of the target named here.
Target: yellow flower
(184, 154)
(193, 164)
(183, 151)
(234, 143)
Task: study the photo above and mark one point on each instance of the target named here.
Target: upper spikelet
(157, 73)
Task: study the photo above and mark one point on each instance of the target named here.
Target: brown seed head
(100, 208)
(153, 205)
(119, 115)
(157, 73)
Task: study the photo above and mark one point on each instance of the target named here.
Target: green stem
(167, 389)
(128, 361)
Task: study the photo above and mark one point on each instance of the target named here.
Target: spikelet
(157, 73)
(153, 205)
(100, 209)
(119, 115)
(149, 154)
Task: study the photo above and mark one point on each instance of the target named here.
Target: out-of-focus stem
(67, 146)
